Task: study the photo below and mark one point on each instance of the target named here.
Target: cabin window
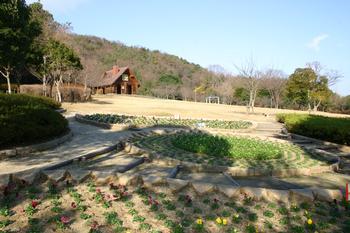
(125, 78)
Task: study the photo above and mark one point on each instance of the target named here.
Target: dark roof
(108, 78)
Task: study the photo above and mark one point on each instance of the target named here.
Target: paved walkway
(85, 139)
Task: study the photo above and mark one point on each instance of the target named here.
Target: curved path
(86, 139)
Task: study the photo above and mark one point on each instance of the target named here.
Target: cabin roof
(110, 77)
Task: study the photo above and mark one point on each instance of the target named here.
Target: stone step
(56, 175)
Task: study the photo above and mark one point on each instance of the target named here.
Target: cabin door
(129, 89)
(118, 89)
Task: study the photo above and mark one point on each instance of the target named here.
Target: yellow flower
(218, 220)
(309, 221)
(236, 215)
(199, 221)
(224, 221)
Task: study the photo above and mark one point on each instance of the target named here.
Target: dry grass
(137, 105)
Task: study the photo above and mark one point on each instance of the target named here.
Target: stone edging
(176, 185)
(339, 146)
(61, 110)
(80, 118)
(17, 151)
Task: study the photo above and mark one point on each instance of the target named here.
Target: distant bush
(26, 119)
(325, 128)
(69, 93)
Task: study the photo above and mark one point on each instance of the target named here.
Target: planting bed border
(341, 147)
(57, 173)
(233, 171)
(80, 118)
(18, 151)
(177, 185)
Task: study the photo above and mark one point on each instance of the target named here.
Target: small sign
(200, 124)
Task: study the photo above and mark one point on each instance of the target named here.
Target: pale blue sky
(281, 34)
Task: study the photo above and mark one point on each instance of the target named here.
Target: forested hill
(98, 55)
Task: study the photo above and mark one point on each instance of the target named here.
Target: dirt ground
(147, 106)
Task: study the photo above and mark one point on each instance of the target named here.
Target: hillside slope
(99, 55)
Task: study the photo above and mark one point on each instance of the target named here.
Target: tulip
(35, 204)
(224, 221)
(65, 219)
(309, 221)
(219, 220)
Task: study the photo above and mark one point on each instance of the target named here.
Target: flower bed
(231, 147)
(152, 121)
(242, 152)
(114, 208)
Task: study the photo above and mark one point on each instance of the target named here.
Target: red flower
(73, 205)
(65, 219)
(94, 225)
(110, 197)
(98, 190)
(35, 204)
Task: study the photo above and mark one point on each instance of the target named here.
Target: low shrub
(26, 119)
(320, 127)
(8, 102)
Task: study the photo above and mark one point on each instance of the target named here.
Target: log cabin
(118, 80)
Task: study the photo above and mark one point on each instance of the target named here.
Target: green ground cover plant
(153, 121)
(320, 127)
(222, 146)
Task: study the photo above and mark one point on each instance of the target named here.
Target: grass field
(137, 105)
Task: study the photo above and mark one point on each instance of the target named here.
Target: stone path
(85, 139)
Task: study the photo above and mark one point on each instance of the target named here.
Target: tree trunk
(7, 77)
(59, 96)
(316, 106)
(8, 82)
(277, 102)
(44, 85)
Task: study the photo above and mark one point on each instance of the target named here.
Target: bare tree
(274, 83)
(252, 77)
(333, 76)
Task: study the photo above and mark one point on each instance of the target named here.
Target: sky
(276, 34)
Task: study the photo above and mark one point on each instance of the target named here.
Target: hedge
(25, 120)
(13, 101)
(69, 93)
(320, 127)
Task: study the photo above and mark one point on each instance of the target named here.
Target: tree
(61, 62)
(38, 58)
(17, 33)
(252, 77)
(242, 94)
(274, 82)
(305, 87)
(169, 81)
